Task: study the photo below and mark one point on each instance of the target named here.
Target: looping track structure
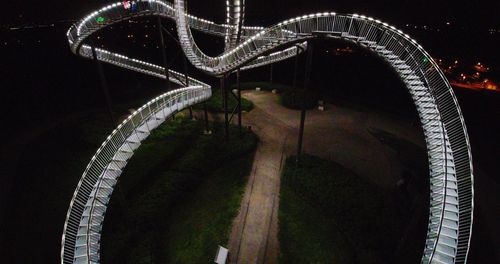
(449, 155)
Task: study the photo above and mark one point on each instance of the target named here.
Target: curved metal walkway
(449, 155)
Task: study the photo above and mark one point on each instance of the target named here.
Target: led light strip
(450, 163)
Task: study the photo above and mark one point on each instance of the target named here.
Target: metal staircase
(449, 155)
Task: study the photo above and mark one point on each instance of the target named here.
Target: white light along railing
(432, 94)
(450, 163)
(115, 13)
(235, 17)
(82, 229)
(448, 146)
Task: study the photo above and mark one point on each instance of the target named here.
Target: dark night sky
(480, 13)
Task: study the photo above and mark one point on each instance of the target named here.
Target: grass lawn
(178, 196)
(328, 214)
(194, 234)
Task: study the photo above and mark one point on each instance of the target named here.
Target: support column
(307, 78)
(164, 53)
(207, 128)
(186, 76)
(104, 86)
(223, 85)
(271, 74)
(296, 69)
(122, 202)
(239, 98)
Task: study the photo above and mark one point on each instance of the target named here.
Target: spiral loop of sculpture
(449, 155)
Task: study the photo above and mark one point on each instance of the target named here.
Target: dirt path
(254, 237)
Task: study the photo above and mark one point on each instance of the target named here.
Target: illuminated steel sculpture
(449, 155)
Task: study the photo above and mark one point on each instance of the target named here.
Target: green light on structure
(426, 60)
(100, 19)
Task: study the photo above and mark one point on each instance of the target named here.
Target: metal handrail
(450, 162)
(391, 50)
(86, 218)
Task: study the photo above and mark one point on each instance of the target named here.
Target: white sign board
(221, 256)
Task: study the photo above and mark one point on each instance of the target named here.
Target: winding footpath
(254, 236)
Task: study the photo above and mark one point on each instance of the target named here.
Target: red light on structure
(126, 4)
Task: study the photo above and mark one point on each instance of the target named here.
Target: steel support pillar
(163, 53)
(296, 69)
(186, 76)
(239, 98)
(271, 73)
(104, 86)
(307, 78)
(224, 88)
(205, 111)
